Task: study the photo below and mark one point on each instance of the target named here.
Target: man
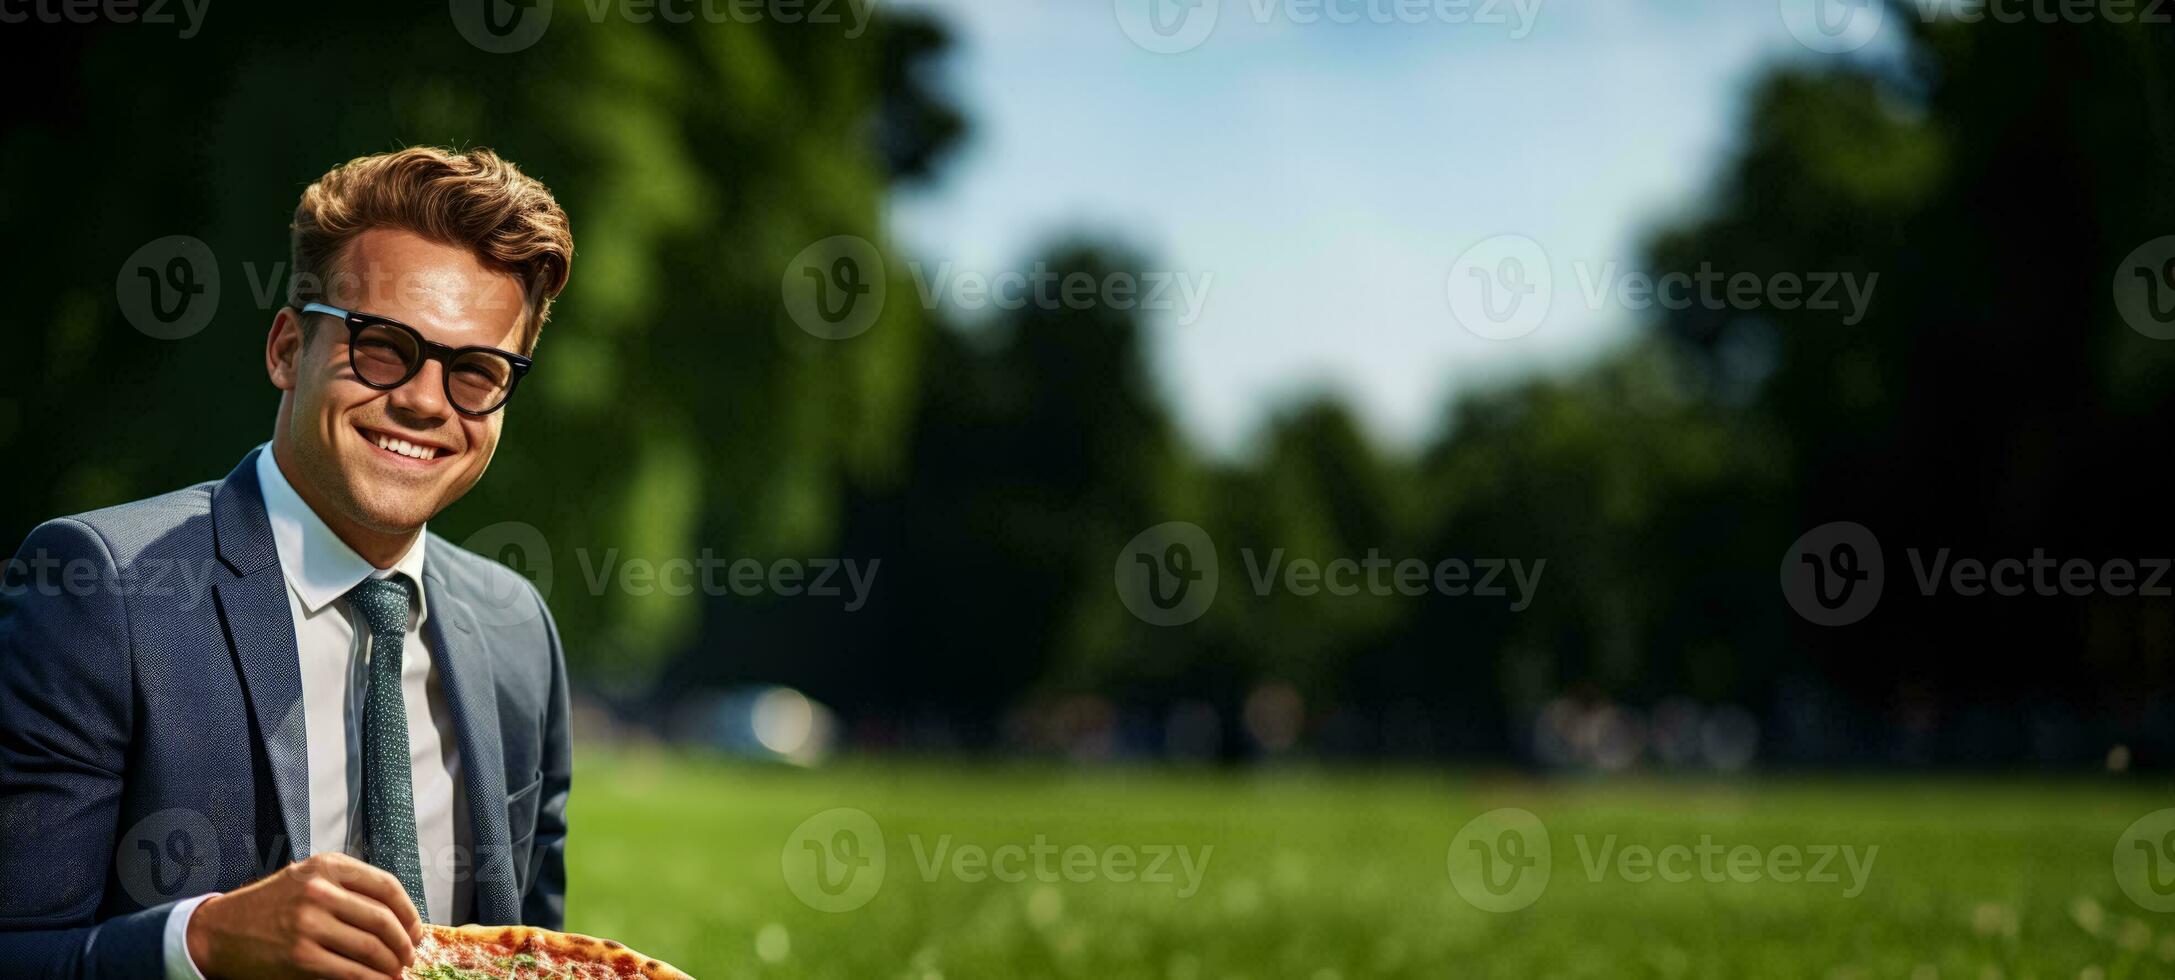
(266, 726)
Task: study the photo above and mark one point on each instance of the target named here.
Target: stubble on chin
(362, 501)
(394, 506)
(386, 512)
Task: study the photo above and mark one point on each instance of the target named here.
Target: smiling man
(266, 726)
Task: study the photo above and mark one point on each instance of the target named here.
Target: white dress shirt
(335, 658)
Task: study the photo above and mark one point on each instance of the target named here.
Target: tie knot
(383, 603)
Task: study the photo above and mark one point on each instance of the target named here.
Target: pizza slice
(525, 953)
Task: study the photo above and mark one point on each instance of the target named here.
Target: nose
(422, 401)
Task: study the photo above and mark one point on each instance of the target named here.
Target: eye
(480, 374)
(484, 368)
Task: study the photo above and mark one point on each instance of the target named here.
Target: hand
(329, 916)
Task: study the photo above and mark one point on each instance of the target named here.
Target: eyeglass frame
(431, 351)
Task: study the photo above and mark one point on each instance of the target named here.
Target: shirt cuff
(178, 964)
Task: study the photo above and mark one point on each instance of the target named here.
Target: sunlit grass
(1319, 875)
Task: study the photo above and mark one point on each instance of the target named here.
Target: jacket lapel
(472, 693)
(261, 631)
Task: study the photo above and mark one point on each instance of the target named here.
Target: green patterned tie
(388, 782)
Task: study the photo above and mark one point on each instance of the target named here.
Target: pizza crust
(518, 939)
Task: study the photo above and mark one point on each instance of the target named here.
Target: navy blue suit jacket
(151, 734)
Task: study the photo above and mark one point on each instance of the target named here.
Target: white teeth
(406, 448)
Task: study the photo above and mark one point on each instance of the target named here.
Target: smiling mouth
(393, 445)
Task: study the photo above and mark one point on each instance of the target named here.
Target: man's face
(334, 426)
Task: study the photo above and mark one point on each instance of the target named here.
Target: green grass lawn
(1319, 875)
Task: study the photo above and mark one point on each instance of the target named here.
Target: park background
(997, 464)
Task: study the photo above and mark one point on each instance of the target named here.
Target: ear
(283, 349)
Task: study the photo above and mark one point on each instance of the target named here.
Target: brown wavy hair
(476, 200)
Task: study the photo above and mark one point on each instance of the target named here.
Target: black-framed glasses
(387, 353)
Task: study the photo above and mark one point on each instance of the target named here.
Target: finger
(353, 944)
(368, 913)
(379, 884)
(317, 961)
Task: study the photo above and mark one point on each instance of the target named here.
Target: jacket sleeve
(544, 905)
(67, 694)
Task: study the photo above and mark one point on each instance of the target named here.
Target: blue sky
(1327, 176)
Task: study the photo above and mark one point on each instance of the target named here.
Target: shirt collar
(320, 567)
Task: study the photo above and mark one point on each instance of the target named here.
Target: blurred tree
(1318, 492)
(1991, 401)
(1038, 446)
(674, 405)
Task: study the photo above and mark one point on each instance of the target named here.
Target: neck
(380, 548)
